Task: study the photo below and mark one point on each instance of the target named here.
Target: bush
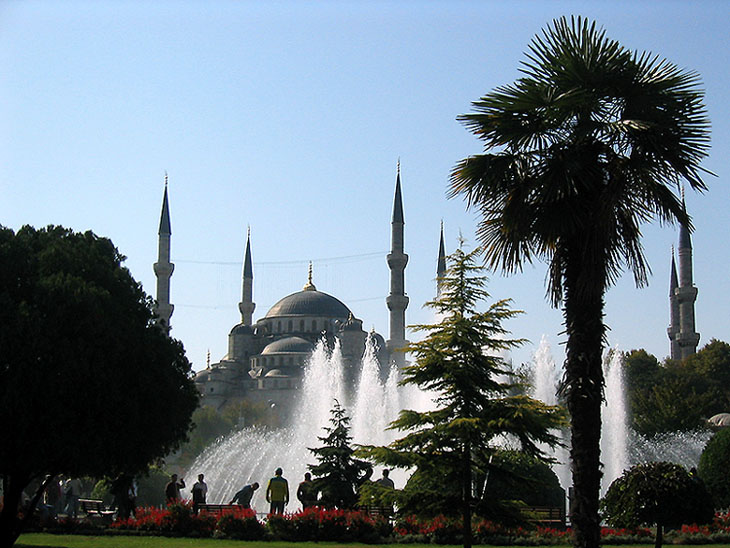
(240, 524)
(713, 468)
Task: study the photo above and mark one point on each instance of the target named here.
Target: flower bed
(315, 524)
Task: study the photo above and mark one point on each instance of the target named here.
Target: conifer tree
(339, 474)
(460, 361)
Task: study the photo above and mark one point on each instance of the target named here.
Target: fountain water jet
(252, 454)
(620, 446)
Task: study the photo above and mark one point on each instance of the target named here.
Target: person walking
(277, 493)
(244, 496)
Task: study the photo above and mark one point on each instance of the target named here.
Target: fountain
(620, 446)
(253, 453)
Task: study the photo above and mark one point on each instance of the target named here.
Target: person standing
(277, 493)
(306, 492)
(172, 489)
(200, 491)
(72, 490)
(244, 496)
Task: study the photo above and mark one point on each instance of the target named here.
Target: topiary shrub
(714, 466)
(657, 493)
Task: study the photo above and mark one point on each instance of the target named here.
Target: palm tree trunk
(583, 312)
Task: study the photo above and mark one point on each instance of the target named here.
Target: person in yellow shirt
(277, 493)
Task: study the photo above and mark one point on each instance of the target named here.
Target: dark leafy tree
(460, 361)
(714, 466)
(657, 493)
(89, 384)
(338, 474)
(590, 143)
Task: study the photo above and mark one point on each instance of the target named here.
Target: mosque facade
(266, 358)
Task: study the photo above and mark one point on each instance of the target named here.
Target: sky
(290, 118)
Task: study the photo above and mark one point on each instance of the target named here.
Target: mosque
(266, 358)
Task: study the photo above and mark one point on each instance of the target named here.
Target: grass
(43, 540)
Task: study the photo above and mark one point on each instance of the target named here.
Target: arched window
(301, 325)
(291, 325)
(278, 326)
(314, 326)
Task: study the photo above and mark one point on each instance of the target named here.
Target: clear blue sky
(290, 117)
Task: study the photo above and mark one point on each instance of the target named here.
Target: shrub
(282, 527)
(239, 524)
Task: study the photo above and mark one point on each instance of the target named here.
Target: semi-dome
(309, 303)
(288, 345)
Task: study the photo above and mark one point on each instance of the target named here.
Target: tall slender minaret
(163, 267)
(397, 300)
(686, 295)
(441, 264)
(247, 306)
(673, 329)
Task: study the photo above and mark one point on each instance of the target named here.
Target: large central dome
(309, 303)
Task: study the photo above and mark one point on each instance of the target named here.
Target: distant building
(266, 358)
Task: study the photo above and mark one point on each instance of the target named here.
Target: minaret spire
(163, 267)
(686, 295)
(397, 300)
(247, 306)
(441, 264)
(673, 329)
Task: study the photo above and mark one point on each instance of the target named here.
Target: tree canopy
(657, 493)
(592, 141)
(677, 395)
(338, 474)
(89, 383)
(460, 361)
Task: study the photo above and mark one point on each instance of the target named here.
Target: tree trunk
(659, 536)
(583, 388)
(466, 497)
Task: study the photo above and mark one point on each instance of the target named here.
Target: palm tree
(590, 143)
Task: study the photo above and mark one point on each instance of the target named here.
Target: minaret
(163, 267)
(686, 295)
(247, 306)
(673, 329)
(441, 264)
(397, 300)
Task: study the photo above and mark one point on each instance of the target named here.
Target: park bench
(550, 516)
(92, 506)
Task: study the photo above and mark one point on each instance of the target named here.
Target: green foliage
(460, 361)
(89, 384)
(338, 474)
(714, 466)
(677, 396)
(519, 477)
(657, 493)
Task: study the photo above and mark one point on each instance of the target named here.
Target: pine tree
(460, 361)
(339, 474)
